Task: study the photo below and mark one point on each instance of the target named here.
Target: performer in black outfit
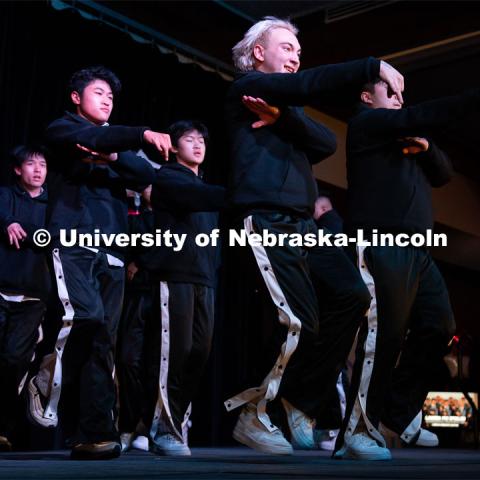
(272, 187)
(92, 166)
(130, 363)
(389, 189)
(24, 278)
(184, 280)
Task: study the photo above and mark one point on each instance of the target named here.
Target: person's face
(190, 150)
(280, 54)
(32, 172)
(95, 103)
(322, 206)
(383, 97)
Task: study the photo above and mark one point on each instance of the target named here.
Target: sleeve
(108, 139)
(436, 165)
(134, 171)
(311, 84)
(424, 117)
(178, 192)
(316, 140)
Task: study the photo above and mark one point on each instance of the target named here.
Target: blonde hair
(243, 58)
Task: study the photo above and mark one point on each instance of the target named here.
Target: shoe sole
(84, 455)
(350, 455)
(164, 453)
(245, 440)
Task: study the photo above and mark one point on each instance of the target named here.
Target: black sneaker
(96, 451)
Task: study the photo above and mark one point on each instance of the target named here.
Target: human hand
(16, 234)
(266, 113)
(161, 141)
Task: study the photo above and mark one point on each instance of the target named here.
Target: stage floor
(242, 463)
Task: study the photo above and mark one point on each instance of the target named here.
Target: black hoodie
(271, 166)
(23, 271)
(387, 189)
(184, 204)
(85, 195)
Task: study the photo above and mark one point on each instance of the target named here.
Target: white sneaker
(426, 439)
(301, 427)
(168, 444)
(126, 440)
(140, 443)
(36, 404)
(362, 447)
(251, 432)
(325, 439)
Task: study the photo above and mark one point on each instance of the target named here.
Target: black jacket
(23, 271)
(271, 166)
(184, 204)
(387, 189)
(84, 195)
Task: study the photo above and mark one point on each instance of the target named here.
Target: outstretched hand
(393, 78)
(266, 113)
(414, 145)
(161, 141)
(102, 158)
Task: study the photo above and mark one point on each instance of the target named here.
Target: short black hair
(177, 129)
(22, 153)
(370, 86)
(80, 79)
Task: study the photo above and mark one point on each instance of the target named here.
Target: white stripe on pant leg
(162, 399)
(56, 381)
(413, 428)
(268, 390)
(359, 409)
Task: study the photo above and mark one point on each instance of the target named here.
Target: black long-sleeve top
(271, 166)
(85, 195)
(23, 271)
(387, 189)
(184, 204)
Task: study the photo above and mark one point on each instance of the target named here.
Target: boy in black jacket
(92, 166)
(272, 188)
(24, 277)
(184, 204)
(390, 175)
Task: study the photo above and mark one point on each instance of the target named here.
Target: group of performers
(390, 300)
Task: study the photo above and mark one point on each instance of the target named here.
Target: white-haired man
(272, 188)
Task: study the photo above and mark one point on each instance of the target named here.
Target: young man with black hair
(272, 188)
(24, 277)
(391, 171)
(184, 204)
(92, 165)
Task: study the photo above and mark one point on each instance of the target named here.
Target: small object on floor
(96, 451)
(251, 432)
(5, 445)
(361, 446)
(168, 444)
(301, 427)
(36, 404)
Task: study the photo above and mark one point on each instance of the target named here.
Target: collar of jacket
(182, 168)
(21, 191)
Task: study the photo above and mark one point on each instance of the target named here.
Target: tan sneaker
(96, 451)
